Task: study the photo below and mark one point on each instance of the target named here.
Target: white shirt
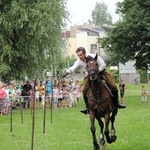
(36, 92)
(55, 92)
(82, 64)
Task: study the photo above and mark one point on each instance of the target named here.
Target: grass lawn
(70, 130)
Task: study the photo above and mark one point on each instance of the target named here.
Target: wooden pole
(45, 77)
(51, 108)
(44, 118)
(11, 117)
(33, 114)
(21, 111)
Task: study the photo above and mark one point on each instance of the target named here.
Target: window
(93, 48)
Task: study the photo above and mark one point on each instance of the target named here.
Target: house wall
(71, 46)
(129, 77)
(82, 38)
(128, 72)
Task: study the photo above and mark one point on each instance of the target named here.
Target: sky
(81, 10)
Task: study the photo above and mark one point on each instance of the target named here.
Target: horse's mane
(88, 58)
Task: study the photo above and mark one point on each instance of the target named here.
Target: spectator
(55, 95)
(11, 91)
(17, 95)
(41, 89)
(55, 83)
(49, 87)
(78, 89)
(60, 96)
(43, 98)
(122, 88)
(75, 93)
(65, 95)
(27, 89)
(7, 101)
(144, 97)
(4, 99)
(37, 95)
(70, 87)
(19, 87)
(17, 92)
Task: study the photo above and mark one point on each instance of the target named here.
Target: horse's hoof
(102, 143)
(113, 138)
(109, 141)
(96, 147)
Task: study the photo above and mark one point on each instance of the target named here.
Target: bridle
(95, 78)
(93, 73)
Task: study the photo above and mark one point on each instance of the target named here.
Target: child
(65, 98)
(75, 93)
(122, 88)
(60, 96)
(37, 95)
(43, 98)
(144, 97)
(55, 95)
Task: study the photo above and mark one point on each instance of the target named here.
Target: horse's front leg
(107, 117)
(101, 135)
(93, 130)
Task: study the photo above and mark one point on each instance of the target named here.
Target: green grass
(70, 130)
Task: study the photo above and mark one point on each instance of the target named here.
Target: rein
(97, 92)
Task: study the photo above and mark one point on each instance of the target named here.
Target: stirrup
(85, 111)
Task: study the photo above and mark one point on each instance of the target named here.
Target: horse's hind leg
(113, 136)
(93, 130)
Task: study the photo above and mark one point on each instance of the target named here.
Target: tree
(100, 14)
(130, 38)
(29, 31)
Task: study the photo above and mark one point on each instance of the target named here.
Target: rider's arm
(101, 64)
(74, 67)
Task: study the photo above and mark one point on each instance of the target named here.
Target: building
(83, 35)
(128, 72)
(87, 36)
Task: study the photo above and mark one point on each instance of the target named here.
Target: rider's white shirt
(79, 63)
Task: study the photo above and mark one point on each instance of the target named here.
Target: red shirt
(2, 93)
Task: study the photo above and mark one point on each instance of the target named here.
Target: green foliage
(143, 76)
(114, 73)
(100, 14)
(29, 33)
(130, 38)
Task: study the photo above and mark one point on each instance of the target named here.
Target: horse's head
(92, 67)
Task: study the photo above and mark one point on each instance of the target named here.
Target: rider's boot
(116, 102)
(86, 110)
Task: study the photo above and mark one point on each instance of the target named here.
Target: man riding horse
(81, 62)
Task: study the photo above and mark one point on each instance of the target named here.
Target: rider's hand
(65, 74)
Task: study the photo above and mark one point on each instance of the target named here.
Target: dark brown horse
(100, 105)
